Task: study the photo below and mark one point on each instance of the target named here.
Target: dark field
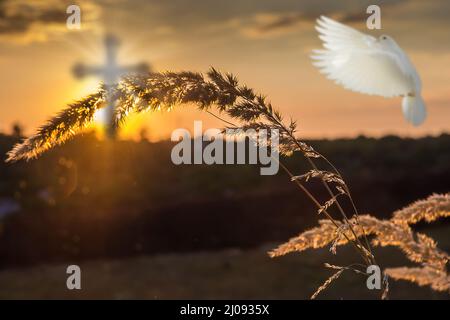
(141, 227)
(228, 274)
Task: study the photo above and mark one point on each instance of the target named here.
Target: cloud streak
(271, 24)
(34, 20)
(274, 24)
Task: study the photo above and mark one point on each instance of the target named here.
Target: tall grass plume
(247, 109)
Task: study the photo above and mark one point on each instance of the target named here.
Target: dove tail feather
(414, 109)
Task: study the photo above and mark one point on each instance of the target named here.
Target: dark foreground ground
(142, 227)
(228, 274)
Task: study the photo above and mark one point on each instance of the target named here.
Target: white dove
(362, 63)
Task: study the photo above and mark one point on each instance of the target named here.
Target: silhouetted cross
(110, 73)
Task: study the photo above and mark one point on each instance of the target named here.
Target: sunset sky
(266, 43)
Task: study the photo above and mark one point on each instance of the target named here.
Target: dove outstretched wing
(359, 62)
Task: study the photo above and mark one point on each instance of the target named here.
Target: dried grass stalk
(327, 283)
(417, 247)
(162, 91)
(428, 210)
(426, 276)
(63, 126)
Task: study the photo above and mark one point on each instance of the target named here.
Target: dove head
(387, 41)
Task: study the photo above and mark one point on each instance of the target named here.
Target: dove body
(365, 64)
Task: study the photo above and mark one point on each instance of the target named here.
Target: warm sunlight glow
(100, 117)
